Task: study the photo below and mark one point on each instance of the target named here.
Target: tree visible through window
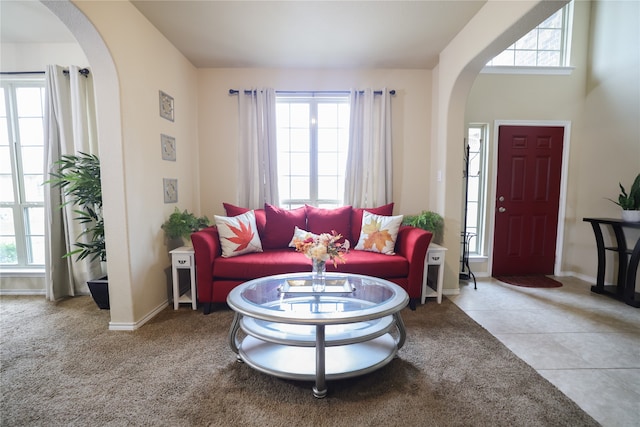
(313, 141)
(547, 45)
(21, 173)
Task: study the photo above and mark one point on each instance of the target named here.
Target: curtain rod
(377, 92)
(83, 71)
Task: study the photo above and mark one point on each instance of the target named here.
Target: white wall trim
(7, 273)
(583, 277)
(451, 291)
(562, 207)
(23, 292)
(546, 71)
(126, 326)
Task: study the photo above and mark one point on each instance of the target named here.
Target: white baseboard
(124, 326)
(582, 277)
(22, 292)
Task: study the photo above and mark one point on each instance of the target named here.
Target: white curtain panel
(257, 153)
(70, 127)
(368, 178)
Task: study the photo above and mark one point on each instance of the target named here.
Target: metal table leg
(320, 389)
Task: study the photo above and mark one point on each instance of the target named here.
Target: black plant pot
(100, 292)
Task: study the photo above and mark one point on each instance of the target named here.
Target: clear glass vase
(318, 275)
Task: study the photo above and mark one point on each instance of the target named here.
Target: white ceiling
(280, 34)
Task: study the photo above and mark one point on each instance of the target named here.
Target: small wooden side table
(435, 258)
(183, 258)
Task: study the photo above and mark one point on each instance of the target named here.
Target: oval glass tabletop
(346, 298)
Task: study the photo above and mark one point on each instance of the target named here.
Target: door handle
(501, 199)
(502, 209)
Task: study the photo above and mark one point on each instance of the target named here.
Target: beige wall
(600, 100)
(36, 56)
(218, 125)
(608, 128)
(145, 62)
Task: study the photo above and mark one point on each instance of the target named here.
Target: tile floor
(587, 345)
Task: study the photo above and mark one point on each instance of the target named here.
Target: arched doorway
(106, 86)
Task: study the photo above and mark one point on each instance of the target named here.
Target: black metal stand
(465, 270)
(465, 237)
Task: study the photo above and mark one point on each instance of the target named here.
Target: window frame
(477, 244)
(313, 99)
(20, 206)
(564, 68)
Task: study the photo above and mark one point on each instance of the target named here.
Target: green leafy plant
(8, 253)
(182, 224)
(630, 201)
(78, 177)
(427, 220)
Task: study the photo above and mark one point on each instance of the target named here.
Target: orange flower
(323, 247)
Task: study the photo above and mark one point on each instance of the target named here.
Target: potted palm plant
(78, 177)
(630, 202)
(427, 220)
(181, 224)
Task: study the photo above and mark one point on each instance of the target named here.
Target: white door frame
(562, 205)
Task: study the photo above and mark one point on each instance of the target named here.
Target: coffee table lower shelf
(298, 363)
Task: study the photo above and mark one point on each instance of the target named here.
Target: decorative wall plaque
(166, 106)
(170, 190)
(168, 145)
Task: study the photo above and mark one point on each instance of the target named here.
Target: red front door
(527, 199)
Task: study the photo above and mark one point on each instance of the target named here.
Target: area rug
(534, 281)
(62, 367)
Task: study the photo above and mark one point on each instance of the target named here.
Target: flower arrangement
(323, 247)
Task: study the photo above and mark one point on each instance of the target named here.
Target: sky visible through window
(544, 46)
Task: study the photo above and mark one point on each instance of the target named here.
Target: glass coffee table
(283, 328)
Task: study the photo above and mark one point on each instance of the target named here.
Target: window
(313, 141)
(547, 45)
(476, 186)
(21, 174)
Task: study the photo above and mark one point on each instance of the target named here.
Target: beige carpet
(61, 366)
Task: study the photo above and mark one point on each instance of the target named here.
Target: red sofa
(217, 275)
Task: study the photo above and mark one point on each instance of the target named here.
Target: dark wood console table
(625, 289)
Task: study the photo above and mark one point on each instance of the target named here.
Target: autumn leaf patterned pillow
(379, 233)
(238, 234)
(300, 234)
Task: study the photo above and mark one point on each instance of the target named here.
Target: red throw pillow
(280, 225)
(321, 220)
(356, 218)
(261, 218)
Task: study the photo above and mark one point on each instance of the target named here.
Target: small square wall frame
(170, 186)
(166, 106)
(168, 146)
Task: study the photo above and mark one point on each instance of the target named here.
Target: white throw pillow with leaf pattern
(379, 233)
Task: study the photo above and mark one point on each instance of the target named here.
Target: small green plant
(630, 201)
(427, 220)
(78, 177)
(182, 224)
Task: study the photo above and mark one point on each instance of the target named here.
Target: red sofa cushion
(372, 264)
(280, 226)
(267, 263)
(356, 219)
(281, 261)
(321, 220)
(261, 218)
